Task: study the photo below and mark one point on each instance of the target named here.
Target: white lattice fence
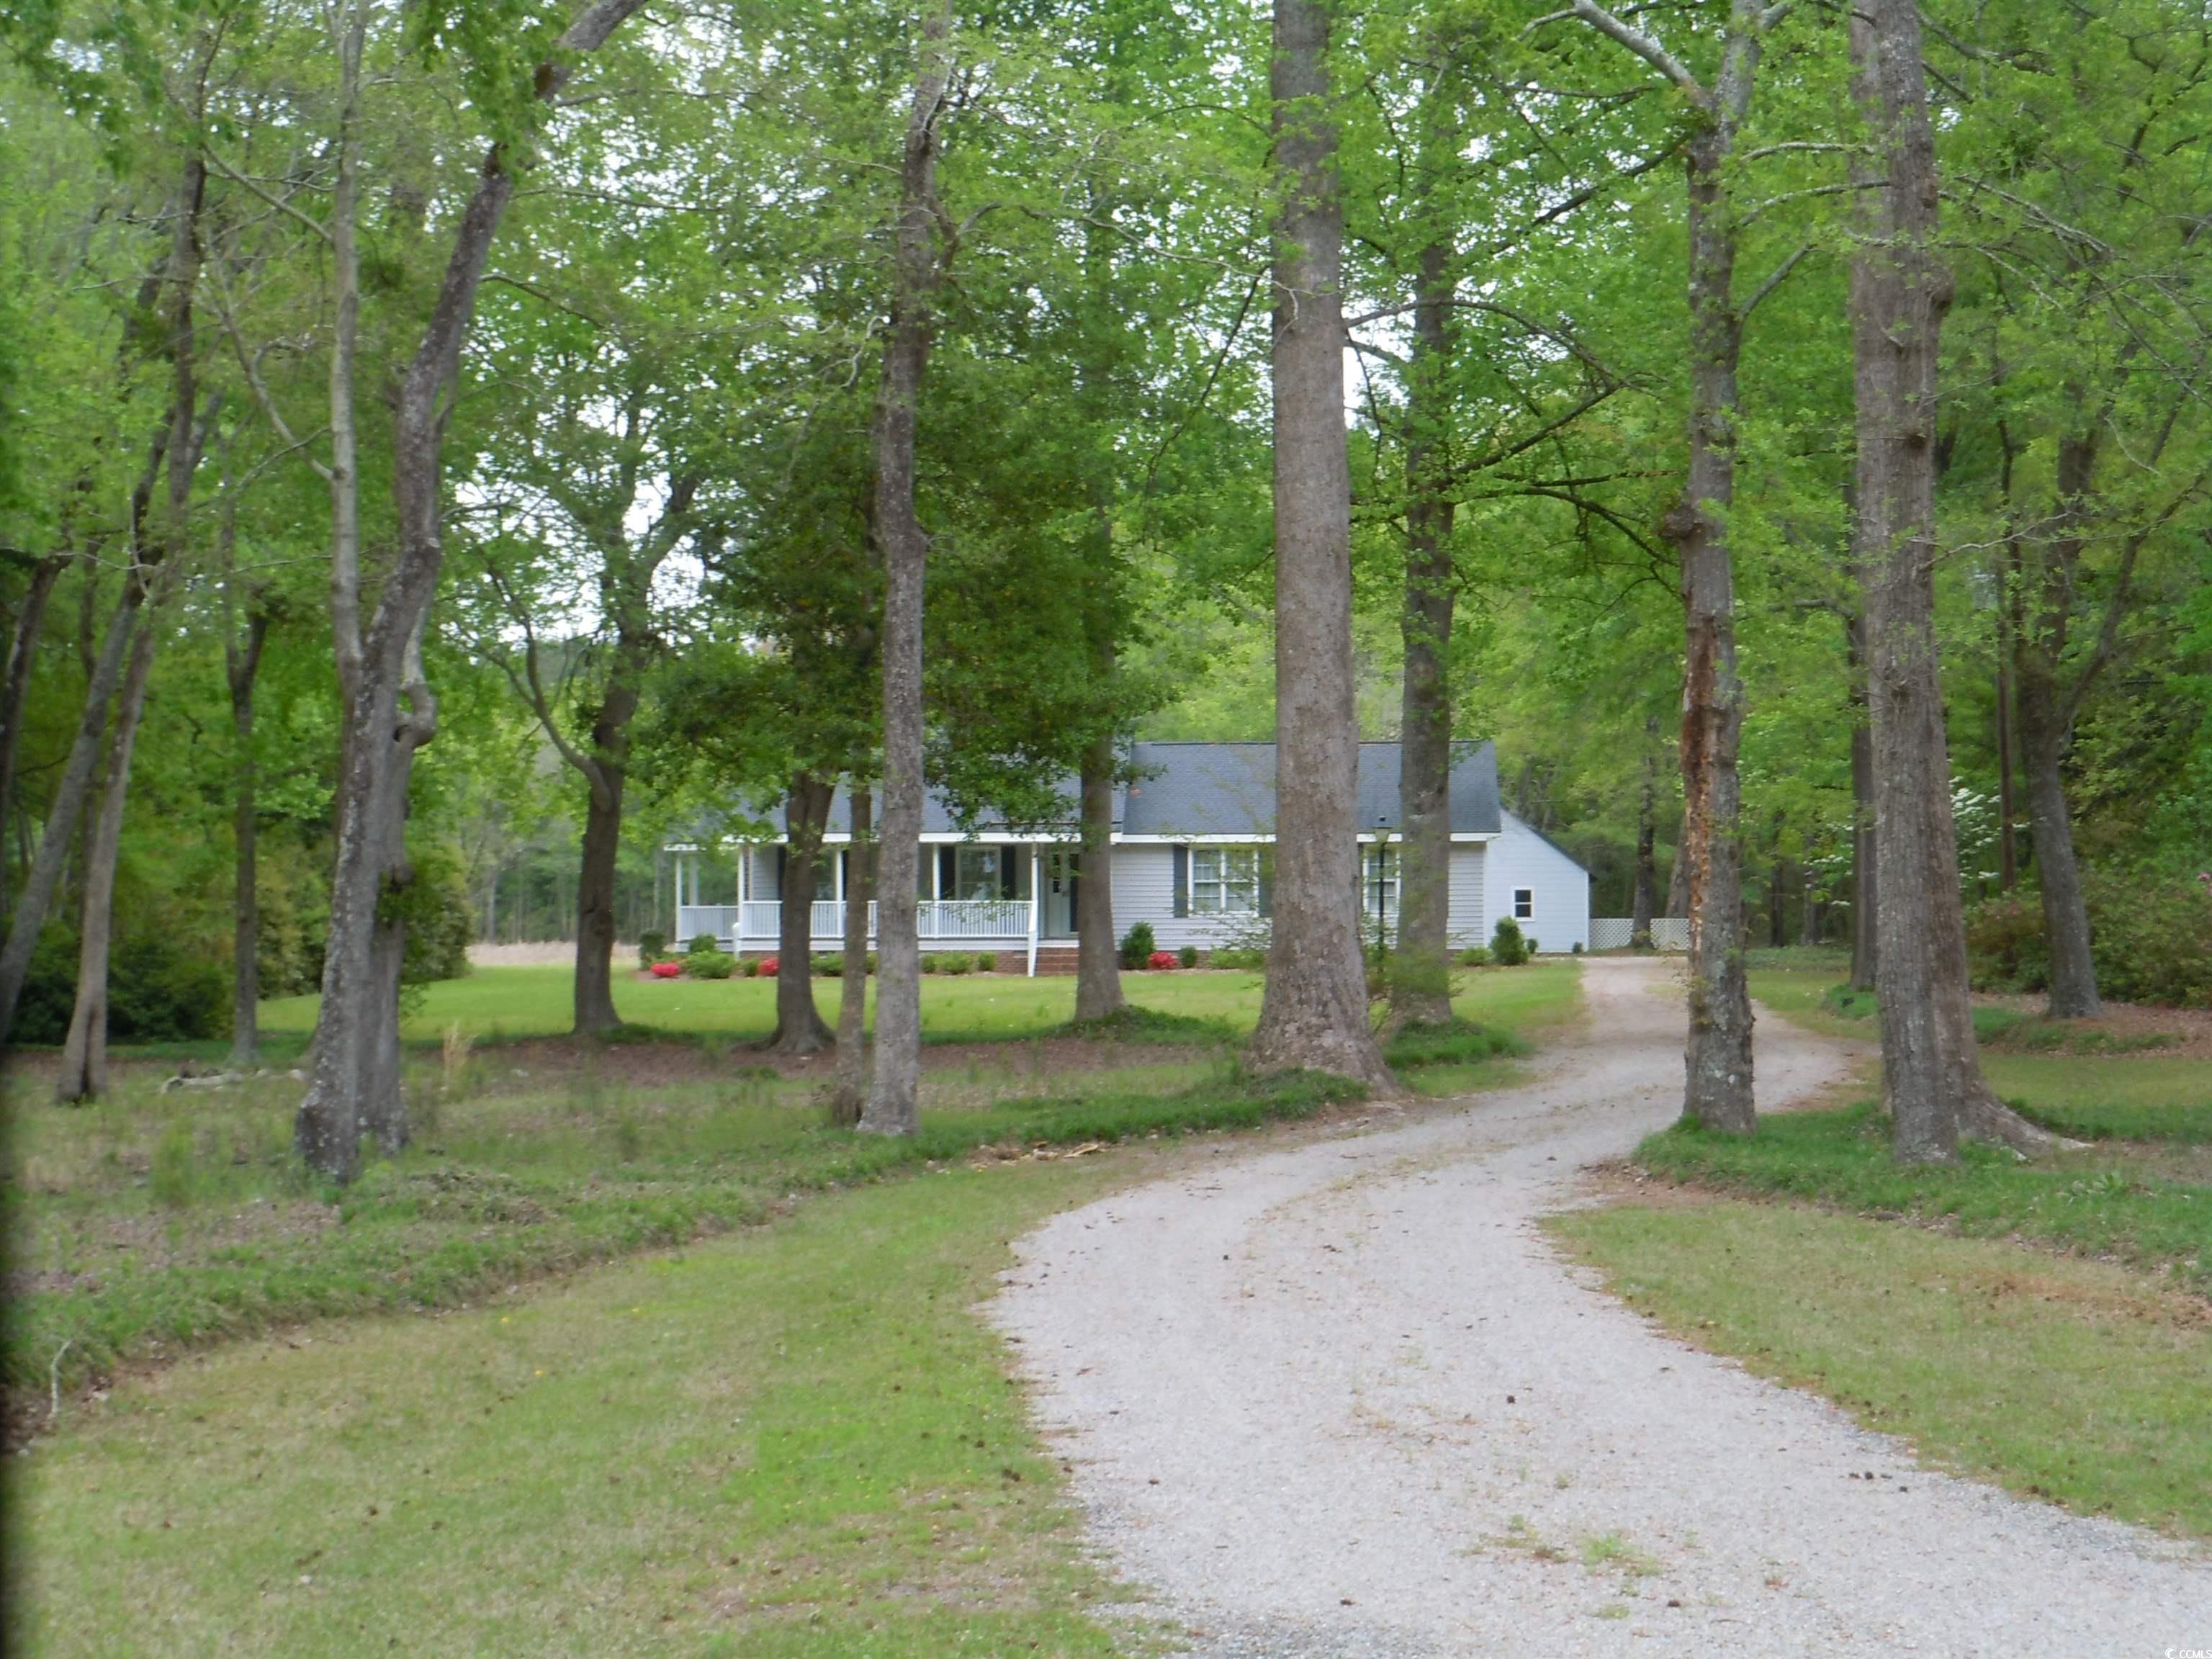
(1613, 932)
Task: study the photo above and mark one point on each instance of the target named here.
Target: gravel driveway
(1343, 1400)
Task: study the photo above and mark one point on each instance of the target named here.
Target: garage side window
(1524, 903)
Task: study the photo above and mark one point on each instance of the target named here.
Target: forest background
(657, 469)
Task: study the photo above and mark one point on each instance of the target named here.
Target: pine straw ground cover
(2044, 1324)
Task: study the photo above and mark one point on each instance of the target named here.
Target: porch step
(1051, 959)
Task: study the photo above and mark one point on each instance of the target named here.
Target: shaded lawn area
(2078, 1081)
(497, 1003)
(2153, 1212)
(2080, 1382)
(795, 1443)
(151, 1224)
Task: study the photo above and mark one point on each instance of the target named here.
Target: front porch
(1008, 898)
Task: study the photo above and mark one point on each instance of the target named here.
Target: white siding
(1143, 891)
(1468, 922)
(762, 873)
(1522, 858)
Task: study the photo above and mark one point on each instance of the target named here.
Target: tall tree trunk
(1717, 1060)
(894, 1088)
(1098, 957)
(1865, 878)
(1314, 1011)
(242, 667)
(607, 778)
(66, 806)
(1420, 973)
(83, 1074)
(798, 1027)
(355, 1086)
(2043, 742)
(1931, 1076)
(849, 1094)
(15, 693)
(1647, 836)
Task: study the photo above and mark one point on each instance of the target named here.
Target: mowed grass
(793, 1441)
(2079, 1382)
(153, 1224)
(495, 1003)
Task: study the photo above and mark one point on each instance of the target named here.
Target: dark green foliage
(830, 965)
(1476, 956)
(986, 962)
(956, 963)
(1461, 1042)
(1187, 956)
(710, 964)
(157, 992)
(650, 945)
(1138, 946)
(439, 921)
(1848, 1004)
(1133, 1023)
(2150, 936)
(1843, 1158)
(1508, 949)
(1236, 956)
(703, 942)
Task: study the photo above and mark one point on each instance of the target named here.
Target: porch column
(1037, 902)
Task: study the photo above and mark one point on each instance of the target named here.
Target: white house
(1193, 851)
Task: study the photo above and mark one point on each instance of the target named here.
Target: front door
(1058, 920)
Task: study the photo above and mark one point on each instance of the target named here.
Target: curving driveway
(1343, 1400)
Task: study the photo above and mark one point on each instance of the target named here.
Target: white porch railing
(1614, 933)
(761, 920)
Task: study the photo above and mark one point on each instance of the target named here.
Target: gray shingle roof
(1229, 789)
(1223, 789)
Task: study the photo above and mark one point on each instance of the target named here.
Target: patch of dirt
(2124, 1027)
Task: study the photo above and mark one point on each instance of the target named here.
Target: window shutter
(948, 872)
(1181, 880)
(1005, 873)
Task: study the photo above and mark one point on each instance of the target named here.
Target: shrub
(665, 970)
(872, 961)
(158, 991)
(986, 962)
(929, 964)
(1187, 956)
(829, 966)
(1533, 946)
(703, 942)
(710, 964)
(650, 946)
(1474, 956)
(1508, 949)
(2005, 947)
(2150, 938)
(1138, 946)
(1239, 957)
(749, 966)
(1161, 961)
(957, 961)
(769, 966)
(439, 921)
(1577, 947)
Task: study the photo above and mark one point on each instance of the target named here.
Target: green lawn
(2079, 1382)
(515, 1002)
(153, 1223)
(793, 1441)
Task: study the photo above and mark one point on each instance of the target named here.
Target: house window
(1224, 881)
(1524, 903)
(1378, 887)
(976, 872)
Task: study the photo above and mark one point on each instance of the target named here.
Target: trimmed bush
(650, 947)
(1250, 958)
(710, 964)
(1138, 946)
(986, 962)
(872, 961)
(957, 962)
(665, 970)
(768, 967)
(703, 942)
(749, 966)
(829, 966)
(1161, 961)
(1474, 956)
(929, 964)
(1508, 949)
(1187, 956)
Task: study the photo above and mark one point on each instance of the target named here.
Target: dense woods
(449, 453)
